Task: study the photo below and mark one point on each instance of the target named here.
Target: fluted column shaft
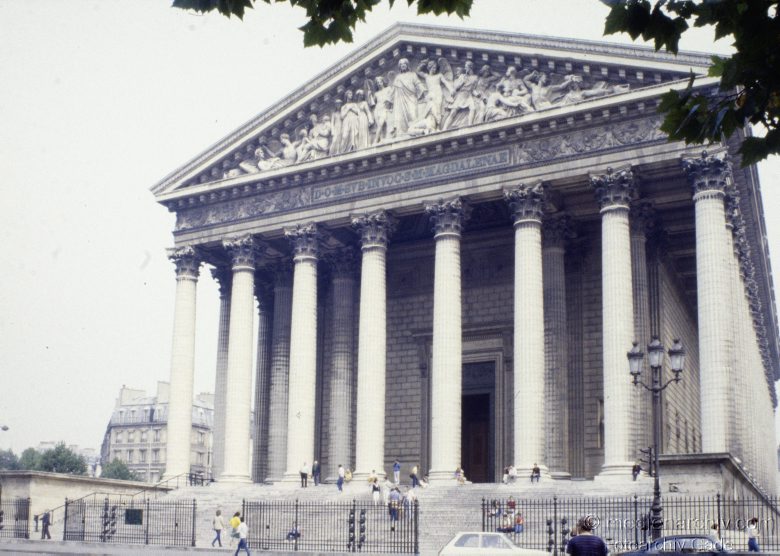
(262, 386)
(280, 366)
(223, 276)
(182, 363)
(372, 345)
(556, 230)
(301, 400)
(641, 216)
(238, 399)
(342, 362)
(446, 363)
(526, 203)
(614, 192)
(708, 176)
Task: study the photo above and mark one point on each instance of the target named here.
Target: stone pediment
(415, 81)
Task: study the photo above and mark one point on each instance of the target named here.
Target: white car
(485, 544)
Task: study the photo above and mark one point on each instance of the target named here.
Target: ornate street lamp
(655, 351)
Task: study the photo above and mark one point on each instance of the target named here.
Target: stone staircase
(443, 509)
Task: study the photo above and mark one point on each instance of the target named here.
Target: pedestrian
(536, 473)
(512, 473)
(243, 541)
(636, 470)
(396, 472)
(413, 476)
(235, 521)
(519, 523)
(752, 532)
(218, 524)
(315, 472)
(394, 506)
(460, 476)
(46, 521)
(375, 492)
(585, 543)
(304, 475)
(340, 480)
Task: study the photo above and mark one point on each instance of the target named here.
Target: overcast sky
(99, 100)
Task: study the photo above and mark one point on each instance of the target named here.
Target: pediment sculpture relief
(414, 100)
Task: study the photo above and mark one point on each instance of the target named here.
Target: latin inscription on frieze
(409, 178)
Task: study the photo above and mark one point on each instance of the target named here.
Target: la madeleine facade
(449, 241)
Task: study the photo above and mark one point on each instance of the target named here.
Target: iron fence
(15, 518)
(546, 523)
(159, 522)
(355, 526)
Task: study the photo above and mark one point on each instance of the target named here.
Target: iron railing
(355, 526)
(546, 523)
(159, 522)
(15, 518)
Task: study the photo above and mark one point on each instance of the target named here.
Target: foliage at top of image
(749, 91)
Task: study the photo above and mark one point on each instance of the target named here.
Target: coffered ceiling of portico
(414, 83)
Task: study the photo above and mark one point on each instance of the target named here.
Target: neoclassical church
(441, 250)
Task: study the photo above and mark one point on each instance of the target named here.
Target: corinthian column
(527, 203)
(302, 399)
(614, 191)
(262, 384)
(182, 362)
(342, 265)
(222, 275)
(238, 398)
(372, 344)
(709, 176)
(642, 218)
(557, 230)
(446, 372)
(280, 367)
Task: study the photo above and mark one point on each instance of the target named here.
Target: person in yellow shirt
(235, 521)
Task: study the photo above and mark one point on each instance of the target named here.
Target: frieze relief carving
(541, 150)
(413, 98)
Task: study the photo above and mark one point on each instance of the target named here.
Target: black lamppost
(655, 351)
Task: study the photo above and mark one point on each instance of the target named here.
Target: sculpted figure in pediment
(407, 91)
(437, 76)
(574, 91)
(512, 83)
(335, 127)
(542, 93)
(383, 111)
(505, 103)
(486, 80)
(319, 137)
(356, 119)
(463, 108)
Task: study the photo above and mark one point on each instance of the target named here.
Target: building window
(142, 456)
(155, 456)
(156, 435)
(119, 438)
(130, 437)
(144, 436)
(121, 416)
(200, 458)
(129, 456)
(201, 439)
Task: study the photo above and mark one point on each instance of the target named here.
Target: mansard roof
(302, 126)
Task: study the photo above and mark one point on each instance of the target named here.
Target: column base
(613, 471)
(363, 476)
(234, 479)
(442, 477)
(560, 476)
(524, 474)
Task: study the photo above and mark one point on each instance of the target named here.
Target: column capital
(305, 241)
(375, 229)
(243, 251)
(447, 217)
(557, 229)
(615, 188)
(187, 261)
(223, 276)
(642, 217)
(707, 174)
(526, 202)
(342, 262)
